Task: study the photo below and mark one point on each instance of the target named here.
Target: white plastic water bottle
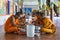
(30, 30)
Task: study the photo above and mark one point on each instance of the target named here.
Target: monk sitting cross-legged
(13, 24)
(48, 25)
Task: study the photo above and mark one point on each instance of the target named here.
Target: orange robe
(49, 26)
(9, 26)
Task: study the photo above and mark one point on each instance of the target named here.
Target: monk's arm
(13, 21)
(48, 23)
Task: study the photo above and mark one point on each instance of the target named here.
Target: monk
(33, 12)
(13, 23)
(48, 25)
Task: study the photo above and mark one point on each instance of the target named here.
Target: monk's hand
(30, 22)
(34, 18)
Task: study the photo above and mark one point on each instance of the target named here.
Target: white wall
(30, 3)
(3, 19)
(57, 21)
(29, 0)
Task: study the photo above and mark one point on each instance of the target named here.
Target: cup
(30, 30)
(37, 29)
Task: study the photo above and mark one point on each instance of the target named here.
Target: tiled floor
(4, 36)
